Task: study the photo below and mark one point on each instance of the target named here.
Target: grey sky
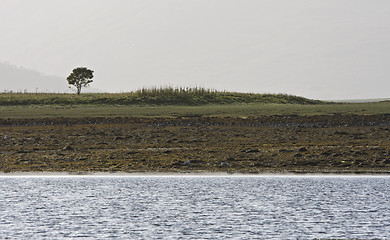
(330, 49)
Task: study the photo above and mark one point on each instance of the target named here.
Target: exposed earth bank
(301, 144)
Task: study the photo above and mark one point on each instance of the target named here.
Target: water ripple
(194, 208)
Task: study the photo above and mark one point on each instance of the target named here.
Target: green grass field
(212, 110)
(173, 102)
(154, 96)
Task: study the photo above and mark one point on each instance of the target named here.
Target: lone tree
(80, 77)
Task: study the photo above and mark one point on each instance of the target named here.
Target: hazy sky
(329, 49)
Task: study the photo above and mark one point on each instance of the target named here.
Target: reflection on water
(194, 207)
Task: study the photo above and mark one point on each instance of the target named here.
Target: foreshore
(333, 144)
(186, 174)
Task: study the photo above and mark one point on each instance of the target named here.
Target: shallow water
(206, 207)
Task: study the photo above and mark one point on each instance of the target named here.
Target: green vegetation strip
(211, 110)
(156, 96)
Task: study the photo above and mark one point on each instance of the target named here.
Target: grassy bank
(210, 110)
(154, 96)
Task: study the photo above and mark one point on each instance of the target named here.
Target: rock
(68, 148)
(340, 133)
(252, 151)
(302, 149)
(224, 164)
(22, 151)
(298, 155)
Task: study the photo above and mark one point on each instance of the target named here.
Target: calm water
(194, 207)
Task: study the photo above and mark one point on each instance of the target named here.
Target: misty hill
(18, 79)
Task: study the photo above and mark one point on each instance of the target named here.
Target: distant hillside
(155, 96)
(20, 79)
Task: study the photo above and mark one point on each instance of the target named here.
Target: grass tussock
(151, 96)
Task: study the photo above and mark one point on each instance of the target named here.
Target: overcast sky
(330, 49)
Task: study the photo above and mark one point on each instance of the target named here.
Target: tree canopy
(80, 77)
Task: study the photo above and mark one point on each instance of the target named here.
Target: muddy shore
(271, 144)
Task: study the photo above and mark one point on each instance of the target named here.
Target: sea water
(194, 207)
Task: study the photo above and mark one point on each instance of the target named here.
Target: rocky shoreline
(269, 144)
